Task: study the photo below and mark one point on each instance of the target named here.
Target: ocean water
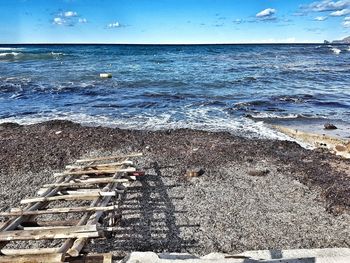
(235, 88)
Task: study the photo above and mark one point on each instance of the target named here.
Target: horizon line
(167, 44)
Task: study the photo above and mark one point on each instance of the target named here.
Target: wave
(265, 115)
(336, 51)
(8, 56)
(200, 119)
(9, 48)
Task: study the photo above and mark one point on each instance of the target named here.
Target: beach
(254, 193)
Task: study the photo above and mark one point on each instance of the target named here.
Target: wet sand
(302, 200)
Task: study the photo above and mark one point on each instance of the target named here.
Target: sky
(173, 21)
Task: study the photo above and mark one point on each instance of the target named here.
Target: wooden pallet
(99, 180)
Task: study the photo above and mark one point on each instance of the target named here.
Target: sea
(241, 89)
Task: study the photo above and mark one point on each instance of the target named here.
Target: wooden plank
(14, 223)
(50, 233)
(45, 227)
(97, 172)
(21, 235)
(89, 182)
(42, 258)
(31, 251)
(130, 163)
(92, 258)
(78, 244)
(58, 211)
(85, 196)
(73, 247)
(109, 158)
(42, 223)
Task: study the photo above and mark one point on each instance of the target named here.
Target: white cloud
(238, 21)
(268, 12)
(320, 18)
(68, 18)
(113, 25)
(327, 5)
(82, 20)
(346, 22)
(342, 12)
(70, 14)
(58, 21)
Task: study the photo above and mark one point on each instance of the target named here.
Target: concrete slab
(330, 255)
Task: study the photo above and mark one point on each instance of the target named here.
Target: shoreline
(301, 202)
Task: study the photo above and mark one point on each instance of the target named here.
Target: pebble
(258, 172)
(195, 172)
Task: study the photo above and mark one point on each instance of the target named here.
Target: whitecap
(265, 115)
(9, 48)
(11, 54)
(336, 51)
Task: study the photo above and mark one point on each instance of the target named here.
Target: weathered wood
(42, 258)
(58, 211)
(80, 243)
(109, 187)
(94, 258)
(43, 223)
(72, 247)
(51, 233)
(109, 158)
(91, 181)
(14, 223)
(31, 251)
(90, 171)
(46, 227)
(129, 163)
(85, 196)
(97, 172)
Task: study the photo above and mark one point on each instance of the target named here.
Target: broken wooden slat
(22, 252)
(97, 172)
(92, 258)
(78, 244)
(91, 171)
(128, 163)
(58, 211)
(88, 181)
(14, 223)
(85, 196)
(42, 223)
(42, 258)
(51, 233)
(109, 158)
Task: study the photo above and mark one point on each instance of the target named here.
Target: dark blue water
(234, 88)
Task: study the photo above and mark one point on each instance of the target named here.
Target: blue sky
(172, 21)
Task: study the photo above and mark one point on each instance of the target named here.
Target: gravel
(254, 194)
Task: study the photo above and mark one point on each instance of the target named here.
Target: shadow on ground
(148, 220)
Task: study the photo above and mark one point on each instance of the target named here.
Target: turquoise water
(235, 88)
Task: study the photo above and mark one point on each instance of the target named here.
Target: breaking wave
(200, 119)
(18, 56)
(336, 51)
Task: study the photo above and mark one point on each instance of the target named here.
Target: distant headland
(343, 41)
